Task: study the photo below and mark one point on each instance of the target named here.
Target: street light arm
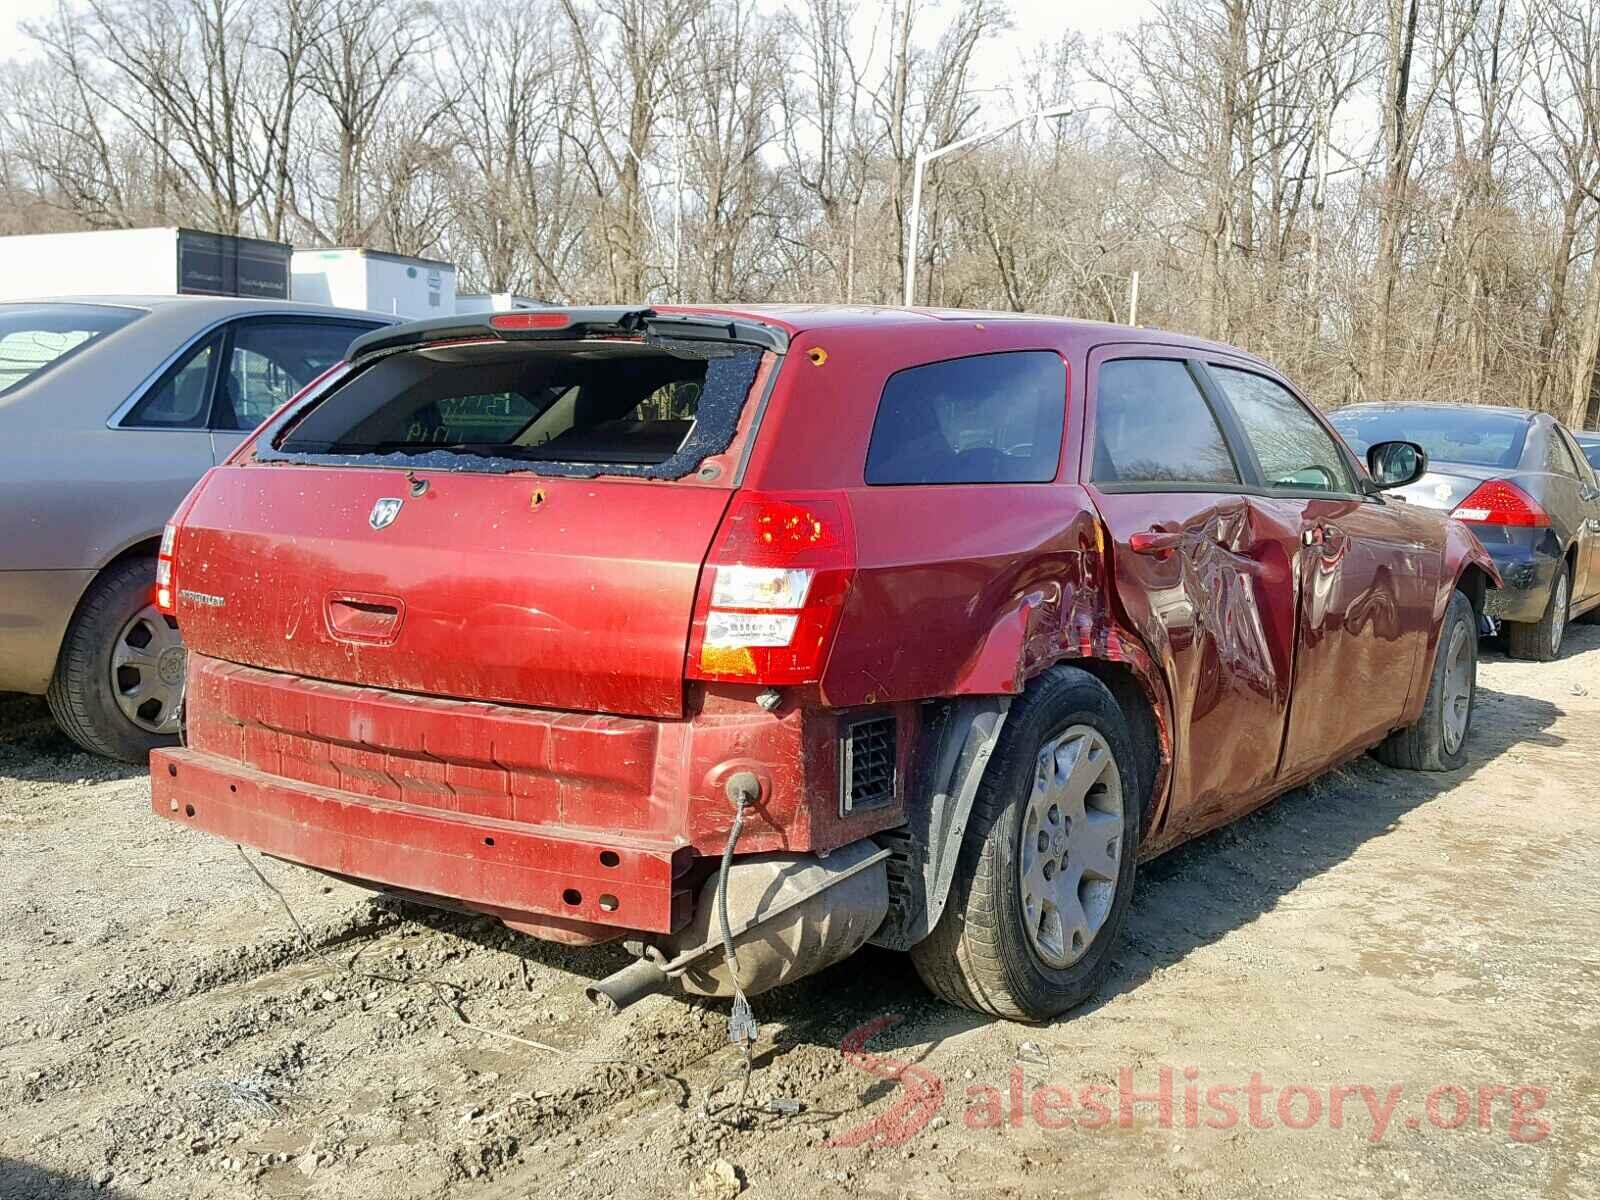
(924, 157)
(929, 156)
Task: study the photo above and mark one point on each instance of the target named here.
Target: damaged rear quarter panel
(960, 589)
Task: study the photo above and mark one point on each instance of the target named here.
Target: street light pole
(924, 157)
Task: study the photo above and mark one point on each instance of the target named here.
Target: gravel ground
(165, 1033)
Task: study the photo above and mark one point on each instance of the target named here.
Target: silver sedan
(110, 409)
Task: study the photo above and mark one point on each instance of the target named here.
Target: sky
(1037, 22)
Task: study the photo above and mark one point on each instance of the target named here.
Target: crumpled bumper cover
(522, 873)
(1527, 576)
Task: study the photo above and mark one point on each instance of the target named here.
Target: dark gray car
(110, 409)
(1522, 483)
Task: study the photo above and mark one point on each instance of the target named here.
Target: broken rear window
(653, 409)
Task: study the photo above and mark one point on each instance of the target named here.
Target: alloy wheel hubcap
(147, 671)
(1071, 845)
(1457, 687)
(1558, 619)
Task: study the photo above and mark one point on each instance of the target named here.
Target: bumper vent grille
(867, 764)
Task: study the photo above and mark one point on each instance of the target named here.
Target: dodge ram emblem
(384, 512)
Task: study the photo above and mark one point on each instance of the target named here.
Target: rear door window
(270, 361)
(1153, 426)
(1295, 451)
(36, 337)
(654, 408)
(990, 418)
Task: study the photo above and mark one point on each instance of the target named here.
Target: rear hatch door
(498, 526)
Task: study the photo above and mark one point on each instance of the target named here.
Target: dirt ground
(164, 1033)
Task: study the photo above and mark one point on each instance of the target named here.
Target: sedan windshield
(1478, 437)
(35, 337)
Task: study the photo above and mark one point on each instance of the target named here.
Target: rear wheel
(1047, 862)
(118, 686)
(1438, 740)
(1540, 641)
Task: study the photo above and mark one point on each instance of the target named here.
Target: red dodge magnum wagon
(753, 636)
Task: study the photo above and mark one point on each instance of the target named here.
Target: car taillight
(164, 582)
(773, 587)
(1496, 502)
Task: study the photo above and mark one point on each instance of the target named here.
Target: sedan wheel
(147, 671)
(1540, 641)
(118, 686)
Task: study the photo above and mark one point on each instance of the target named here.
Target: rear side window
(35, 337)
(1591, 451)
(605, 407)
(1295, 451)
(1557, 457)
(991, 418)
(270, 361)
(1153, 426)
(180, 397)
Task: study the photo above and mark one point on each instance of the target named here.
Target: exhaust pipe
(630, 985)
(790, 916)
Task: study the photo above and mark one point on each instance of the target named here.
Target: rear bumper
(575, 827)
(523, 874)
(1527, 573)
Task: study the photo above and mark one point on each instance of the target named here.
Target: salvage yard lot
(164, 1033)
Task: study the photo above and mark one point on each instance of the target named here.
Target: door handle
(1326, 537)
(1156, 542)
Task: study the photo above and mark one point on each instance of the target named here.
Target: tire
(1540, 641)
(1438, 740)
(981, 955)
(84, 695)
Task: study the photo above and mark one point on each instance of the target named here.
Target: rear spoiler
(563, 324)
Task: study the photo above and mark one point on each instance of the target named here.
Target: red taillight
(1496, 502)
(773, 587)
(165, 584)
(513, 321)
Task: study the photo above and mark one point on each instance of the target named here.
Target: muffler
(790, 915)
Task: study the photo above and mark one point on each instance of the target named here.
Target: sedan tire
(1540, 641)
(118, 686)
(1438, 740)
(1046, 870)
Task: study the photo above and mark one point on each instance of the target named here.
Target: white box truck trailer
(377, 280)
(493, 302)
(148, 262)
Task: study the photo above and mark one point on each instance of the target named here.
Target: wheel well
(1473, 583)
(148, 548)
(1145, 730)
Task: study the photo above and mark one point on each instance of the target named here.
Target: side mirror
(1395, 464)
